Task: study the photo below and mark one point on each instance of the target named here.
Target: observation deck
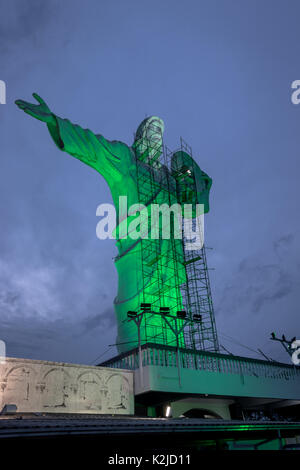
(184, 371)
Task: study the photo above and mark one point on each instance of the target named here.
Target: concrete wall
(53, 387)
(218, 406)
(165, 379)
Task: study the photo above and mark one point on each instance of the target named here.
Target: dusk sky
(219, 74)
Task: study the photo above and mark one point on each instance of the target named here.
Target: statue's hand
(39, 111)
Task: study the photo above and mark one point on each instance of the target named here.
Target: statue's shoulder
(120, 151)
(114, 145)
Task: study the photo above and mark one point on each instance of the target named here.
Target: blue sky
(219, 74)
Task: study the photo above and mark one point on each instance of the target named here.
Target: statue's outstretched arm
(94, 150)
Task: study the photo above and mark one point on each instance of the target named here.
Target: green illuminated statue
(152, 270)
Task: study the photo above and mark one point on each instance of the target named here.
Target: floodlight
(146, 307)
(164, 310)
(181, 313)
(197, 318)
(131, 314)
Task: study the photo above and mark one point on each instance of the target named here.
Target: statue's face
(148, 143)
(153, 134)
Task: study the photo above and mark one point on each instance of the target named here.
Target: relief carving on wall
(17, 383)
(118, 394)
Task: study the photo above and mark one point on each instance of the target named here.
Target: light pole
(165, 314)
(138, 320)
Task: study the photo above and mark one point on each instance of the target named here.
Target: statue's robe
(158, 284)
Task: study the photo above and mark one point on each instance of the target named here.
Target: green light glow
(156, 281)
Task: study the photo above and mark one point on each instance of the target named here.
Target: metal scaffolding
(175, 279)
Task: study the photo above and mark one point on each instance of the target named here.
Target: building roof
(60, 425)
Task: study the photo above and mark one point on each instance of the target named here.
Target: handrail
(159, 355)
(196, 352)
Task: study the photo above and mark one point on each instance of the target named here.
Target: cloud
(105, 319)
(21, 20)
(59, 340)
(28, 291)
(262, 284)
(283, 244)
(256, 286)
(46, 310)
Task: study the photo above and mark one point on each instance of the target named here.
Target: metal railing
(158, 355)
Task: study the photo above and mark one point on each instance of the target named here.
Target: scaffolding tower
(175, 279)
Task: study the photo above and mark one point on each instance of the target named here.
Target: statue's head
(148, 142)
